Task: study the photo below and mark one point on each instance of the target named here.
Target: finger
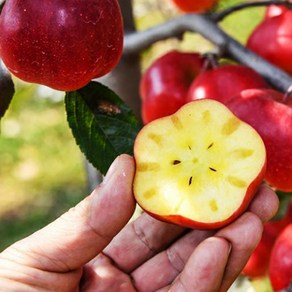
(244, 234)
(162, 269)
(205, 268)
(140, 240)
(81, 233)
(265, 204)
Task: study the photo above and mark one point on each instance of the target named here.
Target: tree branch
(202, 24)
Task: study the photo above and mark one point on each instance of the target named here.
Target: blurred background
(42, 171)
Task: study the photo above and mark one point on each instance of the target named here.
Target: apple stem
(210, 61)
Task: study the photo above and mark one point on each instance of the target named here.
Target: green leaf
(102, 124)
(6, 89)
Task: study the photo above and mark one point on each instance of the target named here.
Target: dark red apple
(199, 167)
(165, 83)
(194, 5)
(262, 109)
(59, 43)
(280, 269)
(224, 82)
(272, 39)
(258, 263)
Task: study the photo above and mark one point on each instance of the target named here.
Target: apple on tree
(224, 82)
(272, 39)
(263, 110)
(59, 43)
(194, 5)
(280, 268)
(165, 83)
(199, 167)
(258, 263)
(275, 10)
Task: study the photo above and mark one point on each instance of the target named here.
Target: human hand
(92, 248)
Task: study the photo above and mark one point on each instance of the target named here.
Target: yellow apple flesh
(199, 167)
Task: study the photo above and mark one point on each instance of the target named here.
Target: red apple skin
(275, 10)
(272, 40)
(224, 82)
(180, 220)
(273, 121)
(164, 85)
(280, 269)
(258, 263)
(194, 5)
(59, 43)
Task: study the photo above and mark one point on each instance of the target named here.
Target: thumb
(81, 233)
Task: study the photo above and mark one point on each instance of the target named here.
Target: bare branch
(202, 24)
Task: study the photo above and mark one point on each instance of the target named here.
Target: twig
(202, 24)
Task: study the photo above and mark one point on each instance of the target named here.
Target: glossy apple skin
(165, 83)
(62, 44)
(194, 5)
(275, 10)
(224, 82)
(273, 120)
(258, 263)
(272, 40)
(280, 269)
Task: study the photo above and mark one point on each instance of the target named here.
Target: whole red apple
(165, 83)
(194, 5)
(258, 263)
(262, 109)
(224, 82)
(275, 10)
(280, 269)
(59, 43)
(272, 39)
(199, 167)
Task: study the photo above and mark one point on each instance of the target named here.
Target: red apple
(280, 269)
(59, 43)
(258, 263)
(275, 10)
(272, 119)
(199, 167)
(164, 85)
(224, 82)
(272, 40)
(194, 5)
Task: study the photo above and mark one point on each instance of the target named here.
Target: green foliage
(102, 124)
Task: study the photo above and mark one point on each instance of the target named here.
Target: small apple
(224, 82)
(199, 167)
(258, 263)
(272, 39)
(262, 109)
(194, 5)
(275, 10)
(280, 269)
(165, 83)
(59, 43)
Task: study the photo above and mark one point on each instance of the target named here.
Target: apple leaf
(102, 124)
(284, 201)
(6, 89)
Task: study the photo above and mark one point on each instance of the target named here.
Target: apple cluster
(172, 89)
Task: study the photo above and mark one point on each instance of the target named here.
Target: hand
(92, 248)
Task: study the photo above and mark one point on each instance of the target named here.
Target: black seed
(190, 180)
(190, 147)
(213, 169)
(210, 145)
(175, 162)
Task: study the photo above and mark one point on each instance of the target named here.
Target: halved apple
(199, 167)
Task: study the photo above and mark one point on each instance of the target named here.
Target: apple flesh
(199, 167)
(272, 40)
(258, 263)
(272, 119)
(280, 269)
(59, 43)
(224, 82)
(165, 83)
